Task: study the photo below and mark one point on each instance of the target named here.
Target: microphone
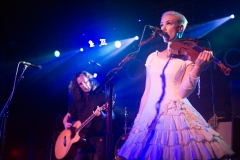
(32, 65)
(159, 31)
(94, 63)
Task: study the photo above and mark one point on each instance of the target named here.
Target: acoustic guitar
(70, 140)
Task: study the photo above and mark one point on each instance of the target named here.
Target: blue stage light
(57, 53)
(136, 37)
(118, 44)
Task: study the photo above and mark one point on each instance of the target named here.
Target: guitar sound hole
(64, 141)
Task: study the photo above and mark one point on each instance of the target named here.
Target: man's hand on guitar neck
(97, 112)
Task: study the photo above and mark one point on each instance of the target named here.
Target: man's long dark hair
(74, 88)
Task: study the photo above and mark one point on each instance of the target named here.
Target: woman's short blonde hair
(181, 18)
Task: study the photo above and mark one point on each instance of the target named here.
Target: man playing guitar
(84, 104)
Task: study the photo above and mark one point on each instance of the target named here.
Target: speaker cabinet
(230, 132)
(236, 137)
(225, 130)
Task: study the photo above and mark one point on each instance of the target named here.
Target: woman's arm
(145, 93)
(192, 73)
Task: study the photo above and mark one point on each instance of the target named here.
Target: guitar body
(68, 142)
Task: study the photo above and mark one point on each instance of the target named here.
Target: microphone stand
(4, 113)
(125, 121)
(93, 64)
(109, 80)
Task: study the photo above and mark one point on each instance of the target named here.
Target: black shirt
(83, 109)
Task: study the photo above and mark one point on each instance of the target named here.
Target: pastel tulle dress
(170, 127)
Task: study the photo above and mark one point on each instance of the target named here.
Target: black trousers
(94, 149)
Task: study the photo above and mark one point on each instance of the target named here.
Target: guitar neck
(85, 122)
(103, 107)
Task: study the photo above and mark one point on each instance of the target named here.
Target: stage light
(232, 16)
(95, 75)
(91, 44)
(81, 49)
(139, 20)
(136, 37)
(103, 42)
(57, 53)
(201, 30)
(118, 44)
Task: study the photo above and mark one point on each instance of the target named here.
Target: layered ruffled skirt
(176, 132)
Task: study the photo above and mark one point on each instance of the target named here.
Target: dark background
(32, 30)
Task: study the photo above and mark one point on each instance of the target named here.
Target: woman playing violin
(167, 126)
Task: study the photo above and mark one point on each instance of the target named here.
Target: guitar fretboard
(90, 118)
(85, 122)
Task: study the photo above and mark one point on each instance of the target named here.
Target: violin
(191, 50)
